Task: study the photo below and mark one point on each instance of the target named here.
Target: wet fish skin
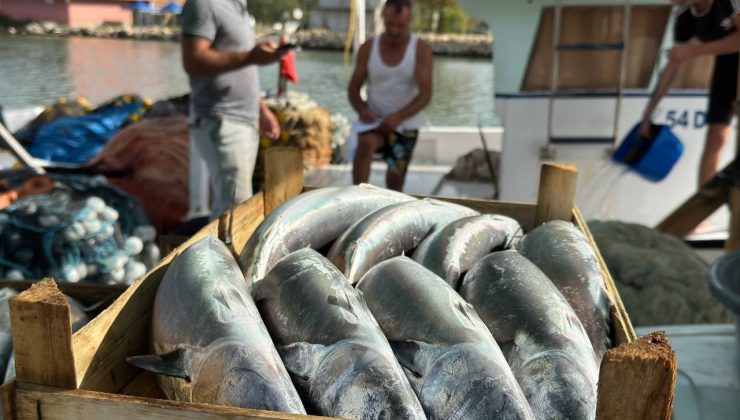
(337, 355)
(211, 344)
(564, 254)
(451, 251)
(544, 342)
(312, 219)
(389, 232)
(453, 363)
(6, 336)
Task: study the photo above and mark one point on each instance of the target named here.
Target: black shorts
(398, 148)
(723, 90)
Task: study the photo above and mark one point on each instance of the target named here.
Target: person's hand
(646, 129)
(389, 123)
(680, 53)
(265, 53)
(269, 125)
(368, 116)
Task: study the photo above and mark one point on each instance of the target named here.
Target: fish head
(364, 383)
(234, 374)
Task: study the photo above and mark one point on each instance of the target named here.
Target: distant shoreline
(457, 45)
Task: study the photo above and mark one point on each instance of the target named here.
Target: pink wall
(38, 10)
(86, 13)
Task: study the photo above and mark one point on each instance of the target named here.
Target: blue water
(38, 70)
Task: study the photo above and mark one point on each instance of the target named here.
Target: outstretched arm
(199, 58)
(664, 84)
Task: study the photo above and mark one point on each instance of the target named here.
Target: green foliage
(453, 20)
(440, 16)
(271, 11)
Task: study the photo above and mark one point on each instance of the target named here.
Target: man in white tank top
(396, 68)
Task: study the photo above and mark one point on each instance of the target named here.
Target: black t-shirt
(712, 25)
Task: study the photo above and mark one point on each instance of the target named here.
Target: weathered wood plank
(283, 176)
(522, 212)
(694, 210)
(637, 380)
(55, 404)
(623, 330)
(7, 399)
(557, 191)
(145, 385)
(42, 336)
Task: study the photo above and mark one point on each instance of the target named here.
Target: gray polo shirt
(233, 95)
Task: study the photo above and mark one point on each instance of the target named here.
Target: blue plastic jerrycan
(652, 158)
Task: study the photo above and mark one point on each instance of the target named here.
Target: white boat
(581, 124)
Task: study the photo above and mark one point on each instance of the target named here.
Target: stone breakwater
(464, 45)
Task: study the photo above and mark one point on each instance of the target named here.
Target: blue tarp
(78, 139)
(173, 8)
(143, 7)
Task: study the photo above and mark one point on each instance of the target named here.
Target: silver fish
(540, 335)
(337, 355)
(212, 344)
(312, 219)
(452, 361)
(390, 232)
(6, 336)
(79, 318)
(451, 251)
(564, 254)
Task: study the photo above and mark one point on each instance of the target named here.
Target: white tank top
(390, 88)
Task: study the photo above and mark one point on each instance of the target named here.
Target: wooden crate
(61, 375)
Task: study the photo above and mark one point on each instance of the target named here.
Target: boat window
(591, 50)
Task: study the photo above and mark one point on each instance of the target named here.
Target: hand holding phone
(286, 47)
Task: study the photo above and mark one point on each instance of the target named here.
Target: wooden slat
(637, 380)
(623, 332)
(42, 335)
(522, 212)
(283, 176)
(7, 400)
(122, 330)
(693, 211)
(58, 404)
(54, 404)
(557, 192)
(146, 385)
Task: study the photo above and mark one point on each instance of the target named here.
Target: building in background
(76, 12)
(334, 15)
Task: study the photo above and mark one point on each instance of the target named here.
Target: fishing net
(83, 230)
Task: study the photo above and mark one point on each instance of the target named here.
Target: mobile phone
(287, 47)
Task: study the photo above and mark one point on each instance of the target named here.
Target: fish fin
(174, 363)
(405, 352)
(301, 358)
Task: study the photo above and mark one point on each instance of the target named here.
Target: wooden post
(733, 239)
(42, 337)
(283, 176)
(637, 380)
(693, 211)
(557, 193)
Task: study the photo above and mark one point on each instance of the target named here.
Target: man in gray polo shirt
(220, 57)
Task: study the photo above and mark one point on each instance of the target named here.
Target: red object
(288, 69)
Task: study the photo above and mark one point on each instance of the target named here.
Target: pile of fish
(363, 303)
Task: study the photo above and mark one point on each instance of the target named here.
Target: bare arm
(359, 76)
(199, 58)
(423, 76)
(664, 84)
